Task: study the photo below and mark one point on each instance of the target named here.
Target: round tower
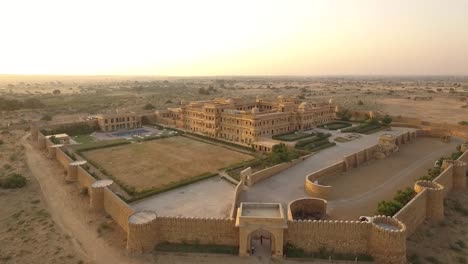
(142, 232)
(435, 199)
(53, 150)
(72, 174)
(96, 201)
(387, 240)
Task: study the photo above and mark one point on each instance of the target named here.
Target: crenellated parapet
(434, 200)
(459, 168)
(387, 240)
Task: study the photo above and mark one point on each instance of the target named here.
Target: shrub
(1, 141)
(46, 117)
(404, 196)
(148, 106)
(13, 181)
(281, 153)
(360, 102)
(388, 208)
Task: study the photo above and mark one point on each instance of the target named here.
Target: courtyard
(359, 190)
(158, 163)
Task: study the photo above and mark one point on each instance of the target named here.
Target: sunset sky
(313, 37)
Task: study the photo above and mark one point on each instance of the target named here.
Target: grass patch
(84, 139)
(293, 252)
(315, 143)
(196, 248)
(292, 136)
(150, 192)
(99, 145)
(14, 181)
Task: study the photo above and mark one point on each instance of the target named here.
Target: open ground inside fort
(357, 191)
(154, 164)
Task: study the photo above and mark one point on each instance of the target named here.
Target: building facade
(116, 121)
(245, 121)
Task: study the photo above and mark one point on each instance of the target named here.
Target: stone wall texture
(63, 158)
(413, 213)
(446, 179)
(235, 201)
(84, 178)
(200, 230)
(337, 236)
(119, 210)
(318, 190)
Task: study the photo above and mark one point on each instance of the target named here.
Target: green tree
(344, 114)
(388, 208)
(281, 153)
(148, 106)
(386, 120)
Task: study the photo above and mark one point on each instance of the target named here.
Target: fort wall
(63, 158)
(85, 180)
(119, 210)
(429, 202)
(446, 179)
(336, 236)
(414, 212)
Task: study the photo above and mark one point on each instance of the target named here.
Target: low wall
(315, 189)
(235, 201)
(268, 172)
(117, 209)
(413, 213)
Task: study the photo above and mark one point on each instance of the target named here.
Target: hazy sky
(197, 37)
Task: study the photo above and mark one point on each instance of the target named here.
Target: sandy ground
(28, 233)
(445, 242)
(358, 191)
(439, 110)
(156, 163)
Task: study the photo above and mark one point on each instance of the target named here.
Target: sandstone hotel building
(246, 121)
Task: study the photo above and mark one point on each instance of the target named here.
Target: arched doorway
(261, 243)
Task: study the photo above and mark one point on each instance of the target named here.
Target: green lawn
(292, 136)
(84, 139)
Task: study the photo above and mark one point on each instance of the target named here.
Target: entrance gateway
(261, 229)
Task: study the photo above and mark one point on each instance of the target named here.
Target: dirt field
(444, 242)
(358, 191)
(156, 163)
(28, 232)
(438, 110)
